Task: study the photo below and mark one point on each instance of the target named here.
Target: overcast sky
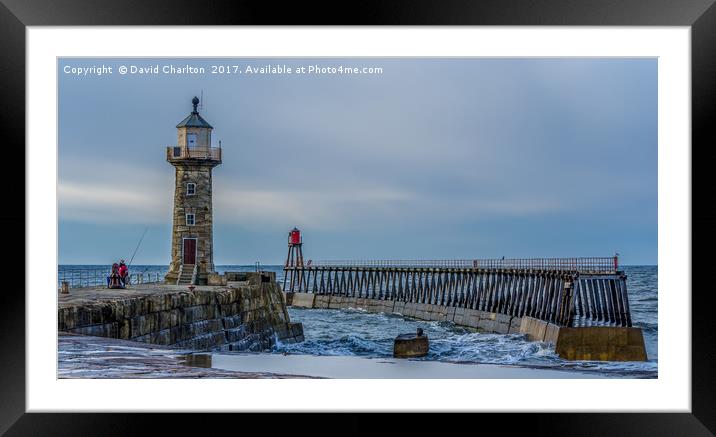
(432, 159)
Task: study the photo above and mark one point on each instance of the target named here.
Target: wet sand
(82, 356)
(348, 367)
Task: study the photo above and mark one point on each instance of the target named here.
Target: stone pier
(605, 343)
(245, 313)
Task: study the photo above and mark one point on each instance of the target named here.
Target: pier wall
(244, 315)
(607, 343)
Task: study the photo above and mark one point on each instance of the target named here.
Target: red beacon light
(294, 259)
(294, 237)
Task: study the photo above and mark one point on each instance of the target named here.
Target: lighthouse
(193, 158)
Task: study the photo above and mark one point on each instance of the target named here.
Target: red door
(189, 251)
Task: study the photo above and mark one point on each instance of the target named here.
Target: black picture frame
(700, 15)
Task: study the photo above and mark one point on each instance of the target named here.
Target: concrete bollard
(65, 287)
(601, 343)
(410, 345)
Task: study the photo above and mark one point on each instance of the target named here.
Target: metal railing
(80, 278)
(181, 270)
(194, 273)
(145, 278)
(586, 264)
(210, 153)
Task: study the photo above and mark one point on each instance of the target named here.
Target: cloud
(437, 144)
(142, 195)
(366, 209)
(94, 191)
(92, 203)
(311, 209)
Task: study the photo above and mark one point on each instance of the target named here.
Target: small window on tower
(190, 189)
(190, 219)
(191, 140)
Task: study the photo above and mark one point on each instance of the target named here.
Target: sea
(354, 332)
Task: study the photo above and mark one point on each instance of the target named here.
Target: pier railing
(79, 278)
(211, 153)
(587, 264)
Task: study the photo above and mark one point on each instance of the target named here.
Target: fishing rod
(137, 248)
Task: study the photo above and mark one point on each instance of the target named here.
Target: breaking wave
(357, 332)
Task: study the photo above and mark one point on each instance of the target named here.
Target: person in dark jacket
(114, 278)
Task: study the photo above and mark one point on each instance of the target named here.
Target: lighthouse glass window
(191, 140)
(190, 219)
(190, 189)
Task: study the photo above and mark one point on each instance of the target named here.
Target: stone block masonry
(200, 205)
(244, 315)
(604, 343)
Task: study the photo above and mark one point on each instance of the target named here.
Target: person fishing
(123, 273)
(119, 276)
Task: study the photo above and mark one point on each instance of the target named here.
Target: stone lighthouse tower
(192, 232)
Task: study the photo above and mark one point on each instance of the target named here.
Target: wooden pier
(579, 304)
(568, 292)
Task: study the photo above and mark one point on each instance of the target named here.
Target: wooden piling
(565, 298)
